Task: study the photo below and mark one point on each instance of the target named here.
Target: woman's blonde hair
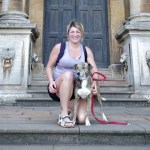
(78, 25)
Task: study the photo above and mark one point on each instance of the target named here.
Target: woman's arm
(90, 59)
(51, 63)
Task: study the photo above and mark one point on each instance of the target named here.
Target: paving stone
(38, 125)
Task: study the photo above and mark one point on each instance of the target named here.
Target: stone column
(12, 5)
(135, 9)
(16, 5)
(140, 10)
(134, 37)
(14, 11)
(17, 35)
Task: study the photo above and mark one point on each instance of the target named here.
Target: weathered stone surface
(24, 125)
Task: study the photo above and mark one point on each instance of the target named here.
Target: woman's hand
(52, 87)
(94, 87)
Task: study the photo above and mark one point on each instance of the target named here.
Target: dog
(124, 60)
(83, 90)
(34, 59)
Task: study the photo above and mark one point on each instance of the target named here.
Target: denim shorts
(55, 97)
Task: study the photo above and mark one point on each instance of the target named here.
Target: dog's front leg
(75, 109)
(88, 106)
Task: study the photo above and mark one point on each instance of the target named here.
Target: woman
(61, 80)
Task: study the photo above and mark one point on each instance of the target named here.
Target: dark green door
(91, 13)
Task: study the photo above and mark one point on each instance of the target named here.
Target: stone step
(108, 92)
(103, 89)
(110, 82)
(111, 88)
(106, 71)
(74, 147)
(31, 126)
(111, 102)
(114, 86)
(49, 133)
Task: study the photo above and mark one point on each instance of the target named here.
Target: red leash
(92, 105)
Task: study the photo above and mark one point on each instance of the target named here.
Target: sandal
(70, 114)
(63, 122)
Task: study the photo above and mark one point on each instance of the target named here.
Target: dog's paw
(87, 122)
(104, 117)
(74, 123)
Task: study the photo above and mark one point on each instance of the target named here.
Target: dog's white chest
(84, 91)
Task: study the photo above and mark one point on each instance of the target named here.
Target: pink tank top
(66, 63)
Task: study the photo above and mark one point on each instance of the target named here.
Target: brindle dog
(83, 90)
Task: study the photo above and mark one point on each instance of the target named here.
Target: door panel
(92, 13)
(58, 13)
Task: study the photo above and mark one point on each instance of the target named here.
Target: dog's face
(123, 57)
(34, 57)
(124, 60)
(83, 70)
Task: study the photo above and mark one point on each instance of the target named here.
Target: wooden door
(91, 13)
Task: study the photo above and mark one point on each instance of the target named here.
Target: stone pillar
(135, 9)
(16, 5)
(134, 37)
(17, 34)
(14, 11)
(142, 6)
(140, 11)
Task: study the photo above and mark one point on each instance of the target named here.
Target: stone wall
(0, 6)
(36, 9)
(117, 17)
(146, 6)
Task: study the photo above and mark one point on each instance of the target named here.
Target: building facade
(112, 28)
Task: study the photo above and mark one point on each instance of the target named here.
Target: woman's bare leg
(65, 85)
(81, 111)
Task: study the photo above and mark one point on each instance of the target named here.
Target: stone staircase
(114, 89)
(33, 121)
(38, 126)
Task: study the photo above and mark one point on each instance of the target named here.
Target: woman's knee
(68, 75)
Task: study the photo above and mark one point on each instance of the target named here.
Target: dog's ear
(75, 66)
